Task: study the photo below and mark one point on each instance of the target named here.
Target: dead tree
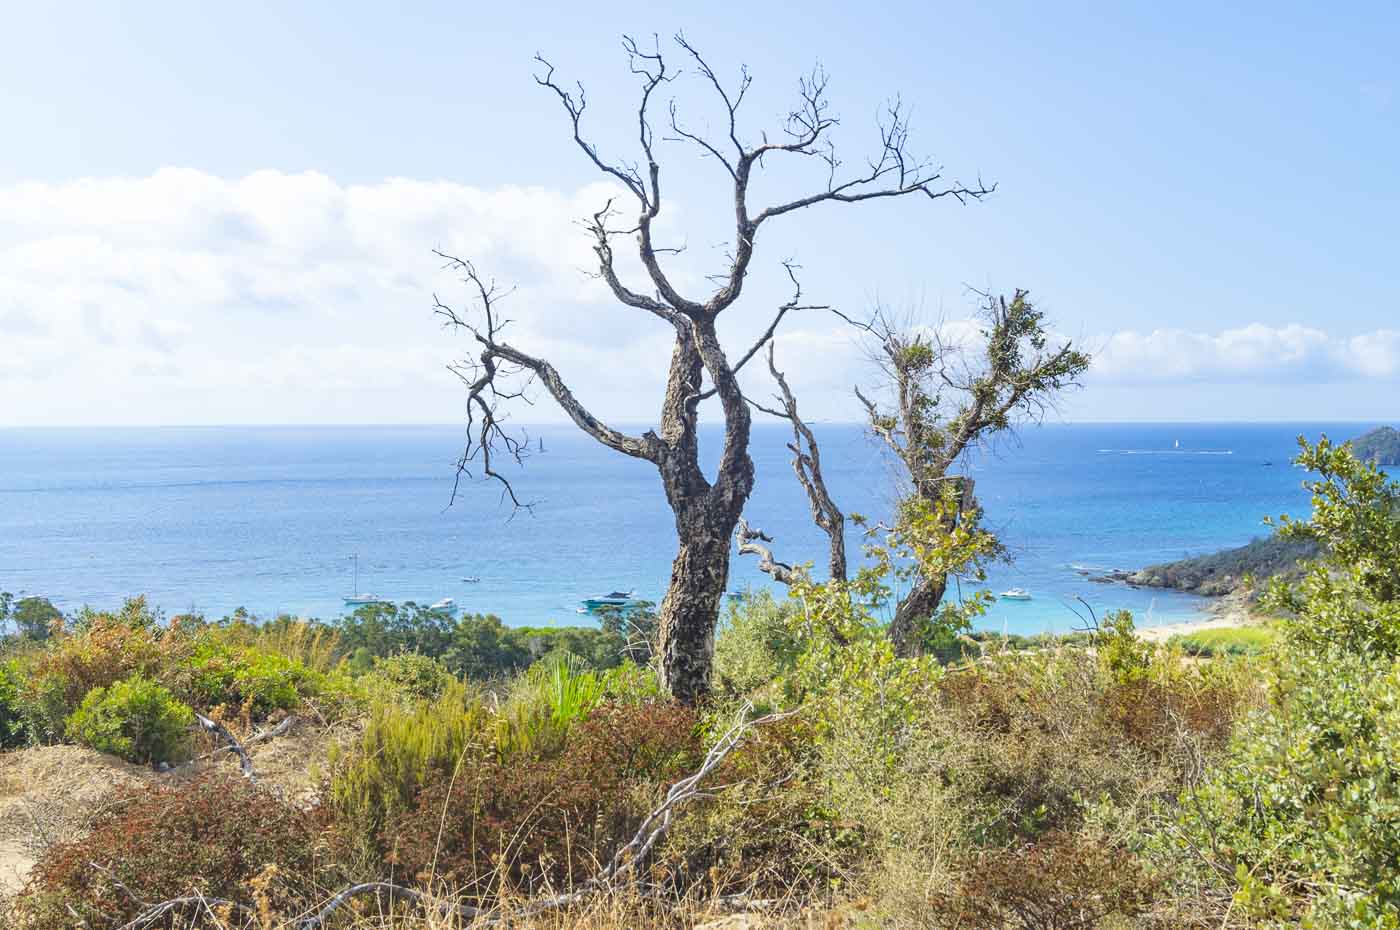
(946, 399)
(706, 509)
(807, 466)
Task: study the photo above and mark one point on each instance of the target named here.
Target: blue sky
(224, 213)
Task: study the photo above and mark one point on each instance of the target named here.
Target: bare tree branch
(489, 382)
(807, 465)
(751, 542)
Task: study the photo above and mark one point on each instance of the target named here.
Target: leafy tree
(945, 401)
(35, 617)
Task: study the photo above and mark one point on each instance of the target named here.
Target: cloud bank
(182, 297)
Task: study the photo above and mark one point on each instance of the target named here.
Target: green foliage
(1232, 641)
(136, 719)
(1310, 793)
(412, 676)
(241, 677)
(1351, 597)
(1122, 653)
(479, 647)
(756, 643)
(34, 617)
(1301, 824)
(12, 728)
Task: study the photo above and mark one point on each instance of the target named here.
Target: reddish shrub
(1062, 882)
(534, 821)
(1153, 715)
(211, 835)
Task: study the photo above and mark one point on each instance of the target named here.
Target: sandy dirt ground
(1229, 611)
(49, 794)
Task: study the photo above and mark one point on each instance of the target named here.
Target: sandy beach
(1228, 611)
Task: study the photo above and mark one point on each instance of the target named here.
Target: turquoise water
(267, 518)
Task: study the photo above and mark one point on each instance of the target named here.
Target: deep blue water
(267, 518)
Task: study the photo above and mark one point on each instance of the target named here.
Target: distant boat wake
(1166, 451)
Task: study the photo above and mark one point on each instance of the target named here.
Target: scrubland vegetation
(477, 773)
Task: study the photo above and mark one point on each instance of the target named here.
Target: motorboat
(613, 599)
(1015, 594)
(446, 605)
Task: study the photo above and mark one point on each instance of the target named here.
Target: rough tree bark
(706, 509)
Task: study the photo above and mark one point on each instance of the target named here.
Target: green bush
(1301, 824)
(1228, 641)
(411, 676)
(12, 730)
(755, 644)
(136, 719)
(1309, 796)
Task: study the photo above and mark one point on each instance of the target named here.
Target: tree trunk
(691, 606)
(920, 603)
(917, 606)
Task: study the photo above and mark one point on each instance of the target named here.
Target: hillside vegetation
(1102, 783)
(1381, 446)
(1229, 570)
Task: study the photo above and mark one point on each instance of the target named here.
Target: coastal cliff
(1224, 572)
(1381, 446)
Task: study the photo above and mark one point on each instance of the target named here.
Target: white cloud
(185, 297)
(1257, 352)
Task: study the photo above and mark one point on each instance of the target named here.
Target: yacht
(622, 599)
(357, 599)
(1015, 594)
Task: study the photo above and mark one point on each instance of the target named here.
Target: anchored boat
(1015, 594)
(357, 599)
(622, 600)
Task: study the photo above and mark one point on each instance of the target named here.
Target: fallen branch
(245, 761)
(259, 737)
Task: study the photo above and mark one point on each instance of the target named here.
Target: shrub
(412, 676)
(1309, 797)
(242, 677)
(212, 835)
(104, 648)
(403, 746)
(1228, 641)
(136, 719)
(1062, 882)
(12, 729)
(755, 643)
(535, 819)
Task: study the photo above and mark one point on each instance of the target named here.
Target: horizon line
(651, 424)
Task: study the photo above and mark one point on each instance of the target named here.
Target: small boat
(446, 605)
(735, 595)
(357, 599)
(472, 579)
(1015, 594)
(623, 599)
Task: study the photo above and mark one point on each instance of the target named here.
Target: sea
(275, 519)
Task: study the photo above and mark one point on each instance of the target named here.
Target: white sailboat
(356, 599)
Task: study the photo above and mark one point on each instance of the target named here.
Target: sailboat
(356, 599)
